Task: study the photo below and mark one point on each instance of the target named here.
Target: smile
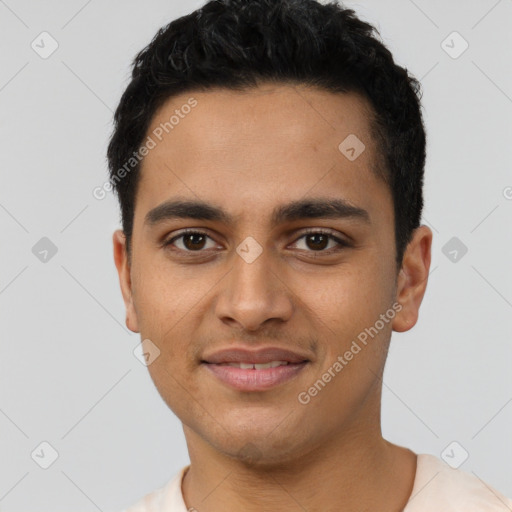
(255, 376)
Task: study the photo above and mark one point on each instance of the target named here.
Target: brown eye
(189, 241)
(194, 241)
(318, 241)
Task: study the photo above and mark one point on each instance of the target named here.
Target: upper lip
(257, 356)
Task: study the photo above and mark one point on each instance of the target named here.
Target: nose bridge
(252, 293)
(252, 277)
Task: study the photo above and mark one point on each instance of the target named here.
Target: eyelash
(341, 243)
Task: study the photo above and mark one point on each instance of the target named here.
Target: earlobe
(124, 273)
(412, 279)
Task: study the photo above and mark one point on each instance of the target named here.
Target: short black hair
(239, 44)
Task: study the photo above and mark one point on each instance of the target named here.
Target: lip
(255, 380)
(251, 379)
(259, 356)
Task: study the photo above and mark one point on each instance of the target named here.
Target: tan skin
(249, 152)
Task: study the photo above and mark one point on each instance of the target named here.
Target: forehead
(265, 144)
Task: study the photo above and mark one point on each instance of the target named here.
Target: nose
(252, 294)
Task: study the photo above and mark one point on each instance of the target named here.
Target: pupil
(194, 236)
(315, 237)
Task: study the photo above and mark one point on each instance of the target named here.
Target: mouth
(256, 366)
(253, 376)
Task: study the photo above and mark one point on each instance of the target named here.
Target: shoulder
(166, 498)
(437, 486)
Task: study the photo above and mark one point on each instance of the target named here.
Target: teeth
(248, 366)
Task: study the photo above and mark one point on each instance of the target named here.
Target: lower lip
(254, 380)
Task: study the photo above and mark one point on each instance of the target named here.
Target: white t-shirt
(437, 488)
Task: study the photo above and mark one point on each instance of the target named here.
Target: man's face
(252, 282)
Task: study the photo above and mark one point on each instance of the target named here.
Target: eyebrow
(315, 208)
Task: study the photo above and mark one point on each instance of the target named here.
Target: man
(268, 157)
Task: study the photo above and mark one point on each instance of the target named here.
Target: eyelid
(333, 235)
(325, 231)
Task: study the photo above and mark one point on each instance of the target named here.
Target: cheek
(351, 297)
(177, 389)
(347, 309)
(163, 296)
(170, 307)
(154, 303)
(166, 314)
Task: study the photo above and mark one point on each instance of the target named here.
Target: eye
(191, 241)
(317, 240)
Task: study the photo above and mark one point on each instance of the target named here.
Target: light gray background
(68, 375)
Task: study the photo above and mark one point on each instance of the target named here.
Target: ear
(123, 269)
(412, 278)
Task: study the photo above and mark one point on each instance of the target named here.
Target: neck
(356, 471)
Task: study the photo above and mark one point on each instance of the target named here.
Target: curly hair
(238, 44)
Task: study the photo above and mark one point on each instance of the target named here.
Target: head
(301, 144)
